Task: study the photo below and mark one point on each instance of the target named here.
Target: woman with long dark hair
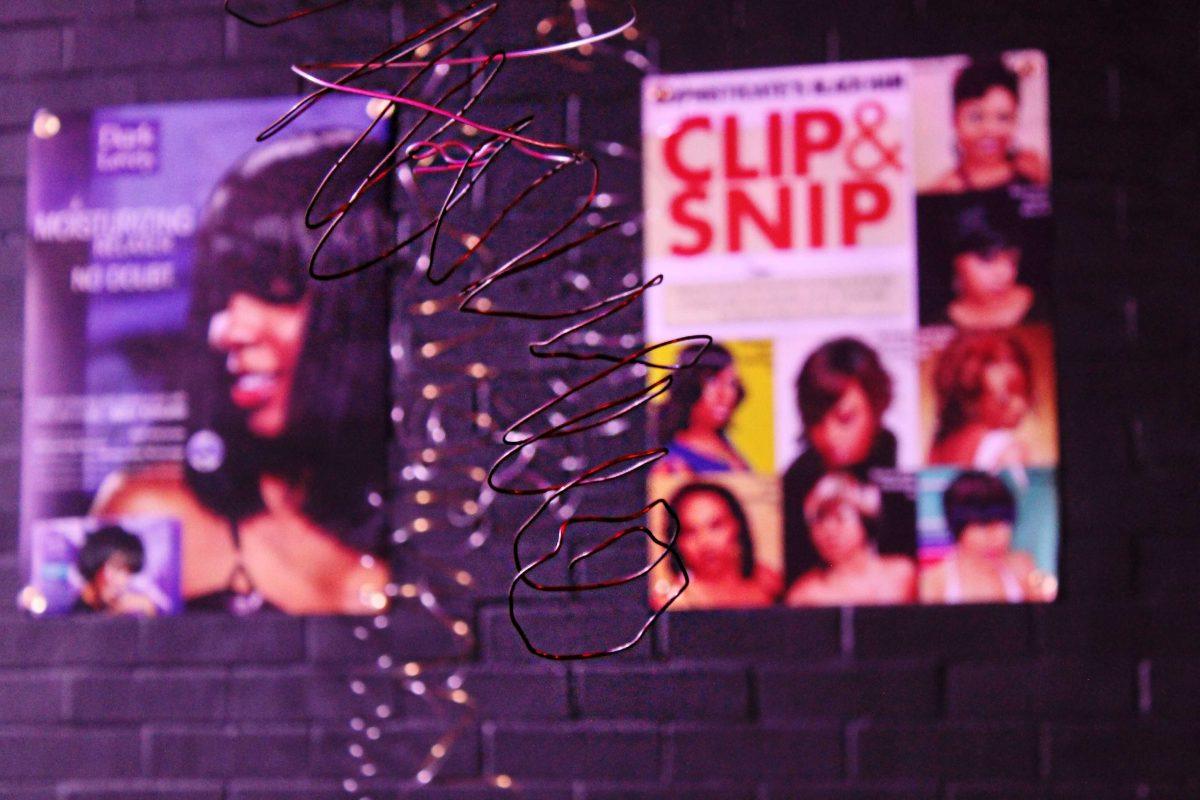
(281, 495)
(692, 422)
(716, 549)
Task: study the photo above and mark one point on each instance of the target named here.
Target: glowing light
(463, 577)
(459, 696)
(377, 106)
(424, 497)
(503, 781)
(412, 669)
(421, 525)
(46, 125)
(461, 628)
(438, 750)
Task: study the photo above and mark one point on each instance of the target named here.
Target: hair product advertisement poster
(879, 234)
(205, 426)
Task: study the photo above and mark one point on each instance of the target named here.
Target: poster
(188, 388)
(880, 233)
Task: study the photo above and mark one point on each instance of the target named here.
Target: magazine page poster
(879, 233)
(204, 425)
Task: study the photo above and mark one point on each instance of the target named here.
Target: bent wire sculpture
(425, 156)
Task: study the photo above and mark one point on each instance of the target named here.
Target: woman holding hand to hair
(841, 513)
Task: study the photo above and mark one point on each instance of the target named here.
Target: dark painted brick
(1175, 689)
(1144, 752)
(976, 630)
(194, 752)
(38, 10)
(503, 692)
(19, 99)
(30, 50)
(139, 790)
(1162, 574)
(412, 634)
(769, 634)
(561, 629)
(882, 689)
(903, 790)
(580, 751)
(1167, 628)
(332, 696)
(39, 753)
(1008, 791)
(146, 696)
(202, 83)
(448, 789)
(399, 750)
(145, 42)
(67, 641)
(26, 697)
(268, 694)
(751, 753)
(662, 693)
(217, 639)
(705, 791)
(947, 750)
(1062, 687)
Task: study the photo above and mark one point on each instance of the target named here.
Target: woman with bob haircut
(984, 386)
(716, 549)
(980, 512)
(281, 496)
(107, 561)
(693, 420)
(986, 264)
(842, 392)
(842, 515)
(986, 98)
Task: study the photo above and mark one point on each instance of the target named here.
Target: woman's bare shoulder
(899, 566)
(155, 489)
(950, 182)
(806, 590)
(932, 583)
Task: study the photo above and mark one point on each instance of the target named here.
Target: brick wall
(1095, 697)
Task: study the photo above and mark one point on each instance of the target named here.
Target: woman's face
(981, 276)
(985, 126)
(838, 533)
(989, 540)
(843, 436)
(1005, 399)
(113, 579)
(262, 342)
(708, 536)
(718, 400)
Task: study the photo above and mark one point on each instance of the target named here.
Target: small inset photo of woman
(727, 539)
(981, 265)
(987, 537)
(717, 416)
(982, 123)
(85, 565)
(988, 398)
